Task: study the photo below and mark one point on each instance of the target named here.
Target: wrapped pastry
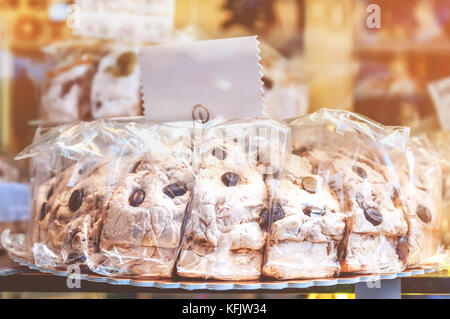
(337, 212)
(226, 232)
(307, 225)
(91, 80)
(421, 189)
(441, 143)
(110, 195)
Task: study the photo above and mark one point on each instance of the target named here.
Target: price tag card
(222, 75)
(440, 92)
(131, 20)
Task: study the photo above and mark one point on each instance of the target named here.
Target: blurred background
(379, 72)
(340, 53)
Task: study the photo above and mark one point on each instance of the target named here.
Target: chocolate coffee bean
(264, 219)
(309, 184)
(360, 171)
(311, 210)
(230, 179)
(402, 248)
(423, 213)
(75, 201)
(268, 83)
(135, 167)
(136, 198)
(278, 213)
(174, 190)
(219, 153)
(373, 216)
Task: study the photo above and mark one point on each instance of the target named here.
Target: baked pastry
(421, 191)
(142, 221)
(116, 85)
(66, 209)
(66, 94)
(375, 224)
(307, 225)
(92, 81)
(223, 238)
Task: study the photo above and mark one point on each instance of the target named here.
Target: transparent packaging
(90, 79)
(441, 143)
(334, 208)
(330, 193)
(110, 195)
(421, 188)
(240, 163)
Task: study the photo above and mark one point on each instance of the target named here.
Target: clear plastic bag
(335, 213)
(421, 187)
(240, 163)
(90, 80)
(110, 195)
(441, 143)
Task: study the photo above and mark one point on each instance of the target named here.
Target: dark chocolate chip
(136, 198)
(268, 83)
(174, 190)
(219, 153)
(98, 105)
(50, 193)
(309, 183)
(230, 179)
(278, 213)
(135, 167)
(300, 151)
(424, 214)
(264, 219)
(75, 201)
(402, 248)
(360, 171)
(373, 216)
(311, 210)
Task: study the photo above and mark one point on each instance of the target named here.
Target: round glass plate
(182, 283)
